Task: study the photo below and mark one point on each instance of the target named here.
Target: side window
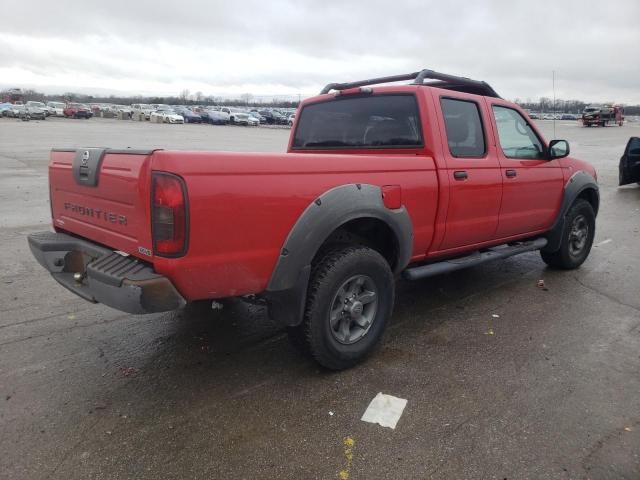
(464, 128)
(517, 139)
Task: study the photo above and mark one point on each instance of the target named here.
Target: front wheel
(349, 300)
(577, 238)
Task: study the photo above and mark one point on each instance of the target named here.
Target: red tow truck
(378, 182)
(602, 116)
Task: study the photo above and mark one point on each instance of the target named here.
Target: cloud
(284, 46)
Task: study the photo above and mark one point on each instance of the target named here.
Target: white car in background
(167, 116)
(244, 118)
(147, 110)
(56, 109)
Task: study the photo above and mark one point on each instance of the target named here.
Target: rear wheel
(577, 238)
(350, 299)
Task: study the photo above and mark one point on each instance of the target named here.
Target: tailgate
(103, 195)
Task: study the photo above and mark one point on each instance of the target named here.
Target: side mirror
(558, 149)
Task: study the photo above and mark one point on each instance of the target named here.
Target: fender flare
(287, 289)
(578, 183)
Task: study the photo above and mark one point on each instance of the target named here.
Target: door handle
(460, 175)
(511, 173)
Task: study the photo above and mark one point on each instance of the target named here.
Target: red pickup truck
(77, 110)
(378, 182)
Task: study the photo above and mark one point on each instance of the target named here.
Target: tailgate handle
(86, 165)
(83, 172)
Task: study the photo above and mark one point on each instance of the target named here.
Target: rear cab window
(382, 121)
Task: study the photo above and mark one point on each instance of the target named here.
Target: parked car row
(24, 112)
(173, 114)
(214, 115)
(553, 116)
(40, 111)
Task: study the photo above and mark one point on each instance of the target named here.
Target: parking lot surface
(503, 378)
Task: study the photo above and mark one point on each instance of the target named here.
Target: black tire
(577, 238)
(365, 321)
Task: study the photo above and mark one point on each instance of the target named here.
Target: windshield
(390, 121)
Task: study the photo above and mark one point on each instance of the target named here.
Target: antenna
(553, 82)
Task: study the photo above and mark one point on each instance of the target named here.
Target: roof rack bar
(418, 79)
(453, 79)
(371, 81)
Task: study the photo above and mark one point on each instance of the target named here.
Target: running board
(476, 258)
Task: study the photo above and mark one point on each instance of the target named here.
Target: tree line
(185, 97)
(547, 105)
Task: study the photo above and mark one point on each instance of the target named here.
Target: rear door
(475, 186)
(532, 185)
(630, 162)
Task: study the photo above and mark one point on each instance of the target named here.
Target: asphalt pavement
(504, 377)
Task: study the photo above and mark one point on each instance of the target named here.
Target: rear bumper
(123, 283)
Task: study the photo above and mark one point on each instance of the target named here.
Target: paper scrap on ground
(384, 410)
(604, 242)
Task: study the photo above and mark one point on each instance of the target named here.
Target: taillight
(169, 215)
(354, 91)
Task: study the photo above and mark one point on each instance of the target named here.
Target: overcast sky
(268, 47)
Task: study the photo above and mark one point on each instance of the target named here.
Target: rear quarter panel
(242, 207)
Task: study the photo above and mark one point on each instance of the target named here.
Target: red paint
(76, 109)
(242, 206)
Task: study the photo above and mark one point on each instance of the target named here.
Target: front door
(532, 185)
(630, 162)
(475, 186)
